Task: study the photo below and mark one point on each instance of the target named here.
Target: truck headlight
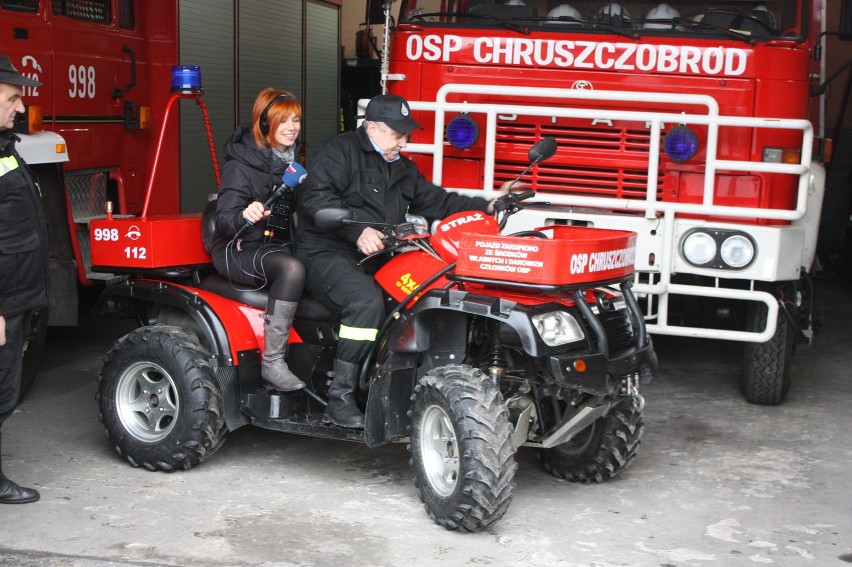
(699, 248)
(557, 328)
(737, 251)
(718, 248)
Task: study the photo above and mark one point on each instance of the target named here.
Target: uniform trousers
(11, 354)
(336, 279)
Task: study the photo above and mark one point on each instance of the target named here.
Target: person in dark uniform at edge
(362, 170)
(255, 256)
(23, 258)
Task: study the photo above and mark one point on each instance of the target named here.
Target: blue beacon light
(186, 79)
(462, 132)
(681, 144)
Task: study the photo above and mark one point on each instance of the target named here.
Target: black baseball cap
(393, 110)
(10, 75)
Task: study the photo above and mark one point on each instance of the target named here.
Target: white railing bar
(628, 205)
(544, 92)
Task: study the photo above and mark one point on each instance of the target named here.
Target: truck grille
(600, 162)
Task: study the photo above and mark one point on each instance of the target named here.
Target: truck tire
(159, 401)
(35, 336)
(599, 452)
(461, 448)
(765, 378)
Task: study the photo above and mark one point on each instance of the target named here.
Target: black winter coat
(23, 235)
(249, 174)
(347, 172)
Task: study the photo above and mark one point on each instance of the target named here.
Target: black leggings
(286, 275)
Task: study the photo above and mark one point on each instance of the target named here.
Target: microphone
(293, 176)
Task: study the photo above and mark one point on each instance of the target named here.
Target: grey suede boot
(275, 334)
(342, 409)
(11, 493)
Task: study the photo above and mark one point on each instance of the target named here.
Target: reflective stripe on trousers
(358, 333)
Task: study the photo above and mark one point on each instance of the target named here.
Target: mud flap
(63, 293)
(389, 400)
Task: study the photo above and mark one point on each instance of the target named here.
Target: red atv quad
(491, 343)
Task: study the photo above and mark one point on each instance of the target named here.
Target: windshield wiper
(503, 22)
(708, 26)
(616, 26)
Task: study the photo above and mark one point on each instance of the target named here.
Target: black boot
(342, 409)
(276, 332)
(11, 493)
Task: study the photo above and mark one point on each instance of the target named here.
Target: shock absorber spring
(497, 361)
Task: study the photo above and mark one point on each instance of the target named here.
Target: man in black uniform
(23, 257)
(363, 171)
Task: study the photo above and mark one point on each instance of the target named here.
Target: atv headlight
(557, 328)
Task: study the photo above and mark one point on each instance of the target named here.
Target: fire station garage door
(322, 69)
(263, 45)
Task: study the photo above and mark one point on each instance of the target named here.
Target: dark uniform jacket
(347, 172)
(23, 235)
(249, 174)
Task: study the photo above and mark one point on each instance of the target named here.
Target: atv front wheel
(461, 448)
(599, 452)
(159, 401)
(765, 376)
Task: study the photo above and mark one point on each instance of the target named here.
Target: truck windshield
(744, 20)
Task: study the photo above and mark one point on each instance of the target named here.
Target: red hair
(275, 115)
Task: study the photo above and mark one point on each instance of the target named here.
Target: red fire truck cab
(89, 129)
(690, 123)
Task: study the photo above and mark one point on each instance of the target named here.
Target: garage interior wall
(206, 32)
(270, 50)
(242, 47)
(322, 61)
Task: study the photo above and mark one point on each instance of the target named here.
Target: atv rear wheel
(461, 448)
(159, 401)
(765, 378)
(599, 452)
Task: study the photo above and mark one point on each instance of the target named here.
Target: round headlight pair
(718, 249)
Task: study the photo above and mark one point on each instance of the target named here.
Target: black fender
(146, 298)
(436, 323)
(436, 326)
(62, 267)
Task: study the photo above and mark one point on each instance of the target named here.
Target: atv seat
(309, 308)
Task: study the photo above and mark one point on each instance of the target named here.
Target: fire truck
(690, 123)
(93, 128)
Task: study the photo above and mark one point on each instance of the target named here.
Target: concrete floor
(717, 481)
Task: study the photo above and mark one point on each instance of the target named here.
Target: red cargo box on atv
(571, 255)
(152, 242)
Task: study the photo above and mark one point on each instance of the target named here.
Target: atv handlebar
(395, 236)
